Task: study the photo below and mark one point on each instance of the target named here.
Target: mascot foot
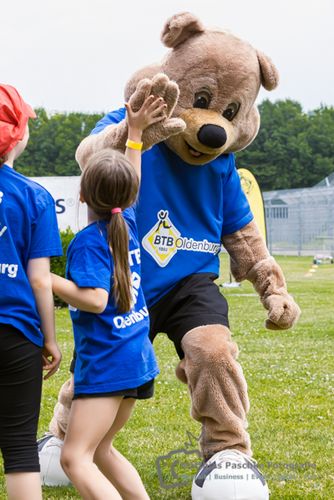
(49, 449)
(229, 475)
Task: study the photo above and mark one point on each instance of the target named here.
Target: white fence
(300, 221)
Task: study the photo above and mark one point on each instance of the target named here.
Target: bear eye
(231, 110)
(202, 100)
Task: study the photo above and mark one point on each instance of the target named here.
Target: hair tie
(116, 210)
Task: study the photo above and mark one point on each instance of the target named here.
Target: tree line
(293, 149)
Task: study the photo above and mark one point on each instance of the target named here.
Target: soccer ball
(229, 475)
(52, 474)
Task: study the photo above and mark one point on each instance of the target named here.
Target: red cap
(14, 115)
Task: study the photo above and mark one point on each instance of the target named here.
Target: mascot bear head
(219, 77)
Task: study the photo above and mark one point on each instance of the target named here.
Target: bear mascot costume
(190, 204)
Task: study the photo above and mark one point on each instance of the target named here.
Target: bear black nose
(212, 136)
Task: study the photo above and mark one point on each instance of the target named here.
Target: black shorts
(20, 398)
(144, 391)
(194, 301)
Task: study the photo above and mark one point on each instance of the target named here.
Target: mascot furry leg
(217, 387)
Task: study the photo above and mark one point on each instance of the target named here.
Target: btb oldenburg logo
(160, 241)
(164, 240)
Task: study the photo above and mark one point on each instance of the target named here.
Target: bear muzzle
(207, 135)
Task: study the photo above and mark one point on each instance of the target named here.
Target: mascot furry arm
(251, 260)
(114, 136)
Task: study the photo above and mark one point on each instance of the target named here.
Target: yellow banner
(254, 196)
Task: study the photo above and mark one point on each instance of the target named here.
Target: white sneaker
(52, 474)
(229, 475)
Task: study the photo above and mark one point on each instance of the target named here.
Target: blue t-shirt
(113, 349)
(28, 230)
(182, 214)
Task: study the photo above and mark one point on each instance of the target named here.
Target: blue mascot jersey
(182, 214)
(28, 230)
(113, 349)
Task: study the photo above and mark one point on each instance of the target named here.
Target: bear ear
(269, 73)
(179, 28)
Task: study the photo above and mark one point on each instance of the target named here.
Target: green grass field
(290, 377)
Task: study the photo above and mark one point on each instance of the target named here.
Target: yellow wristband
(134, 145)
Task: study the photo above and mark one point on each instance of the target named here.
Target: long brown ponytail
(118, 238)
(108, 181)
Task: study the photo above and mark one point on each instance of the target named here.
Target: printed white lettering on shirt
(130, 319)
(136, 254)
(197, 246)
(135, 282)
(9, 269)
(4, 229)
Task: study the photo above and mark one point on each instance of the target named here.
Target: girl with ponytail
(115, 362)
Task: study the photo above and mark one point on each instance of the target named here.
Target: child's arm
(152, 111)
(92, 300)
(38, 272)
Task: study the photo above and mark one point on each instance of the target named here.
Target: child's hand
(51, 358)
(152, 111)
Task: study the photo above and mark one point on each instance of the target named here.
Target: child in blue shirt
(28, 238)
(115, 361)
